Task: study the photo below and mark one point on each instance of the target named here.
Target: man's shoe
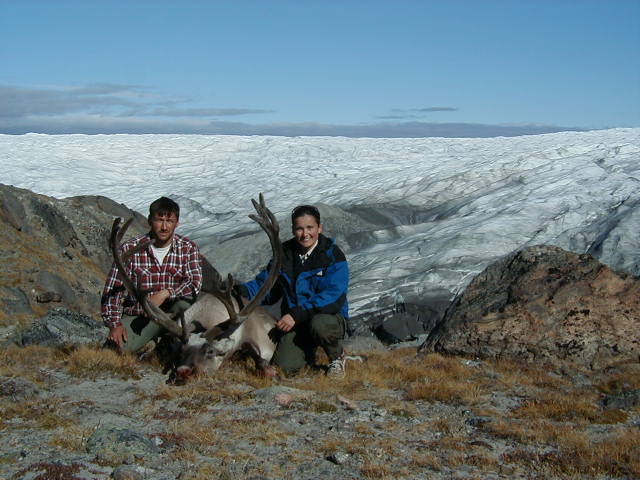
(337, 368)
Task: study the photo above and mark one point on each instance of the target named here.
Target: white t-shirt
(160, 252)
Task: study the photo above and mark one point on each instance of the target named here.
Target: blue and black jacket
(317, 286)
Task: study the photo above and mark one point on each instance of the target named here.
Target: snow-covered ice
(433, 211)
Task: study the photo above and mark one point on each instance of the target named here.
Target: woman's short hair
(302, 210)
(163, 206)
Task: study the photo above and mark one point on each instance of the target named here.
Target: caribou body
(216, 326)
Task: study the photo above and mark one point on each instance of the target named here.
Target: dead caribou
(216, 326)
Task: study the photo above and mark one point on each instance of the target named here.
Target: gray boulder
(115, 444)
(62, 327)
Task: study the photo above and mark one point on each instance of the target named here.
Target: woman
(313, 286)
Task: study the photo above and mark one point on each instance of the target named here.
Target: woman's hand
(286, 323)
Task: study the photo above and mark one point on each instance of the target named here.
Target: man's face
(306, 230)
(162, 228)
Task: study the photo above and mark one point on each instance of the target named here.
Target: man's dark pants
(141, 330)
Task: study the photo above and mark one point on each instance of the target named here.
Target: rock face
(54, 253)
(544, 304)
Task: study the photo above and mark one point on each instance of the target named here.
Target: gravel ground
(237, 425)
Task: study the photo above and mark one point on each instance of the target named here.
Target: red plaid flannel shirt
(180, 273)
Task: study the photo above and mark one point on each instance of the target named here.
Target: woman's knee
(327, 326)
(288, 355)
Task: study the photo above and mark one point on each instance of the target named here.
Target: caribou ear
(225, 328)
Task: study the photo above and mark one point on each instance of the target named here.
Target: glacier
(419, 216)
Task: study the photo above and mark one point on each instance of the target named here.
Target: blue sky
(354, 68)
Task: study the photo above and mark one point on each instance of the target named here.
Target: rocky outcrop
(54, 253)
(544, 304)
(60, 328)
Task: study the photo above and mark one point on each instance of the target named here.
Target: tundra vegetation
(82, 412)
(396, 415)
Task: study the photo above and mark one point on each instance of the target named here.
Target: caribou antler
(154, 312)
(268, 222)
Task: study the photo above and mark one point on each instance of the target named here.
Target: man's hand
(286, 323)
(158, 298)
(118, 335)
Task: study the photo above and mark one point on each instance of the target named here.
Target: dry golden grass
(576, 451)
(376, 469)
(362, 428)
(38, 413)
(535, 431)
(619, 378)
(182, 455)
(192, 434)
(447, 391)
(402, 409)
(19, 320)
(425, 460)
(559, 406)
(204, 471)
(619, 456)
(454, 459)
(512, 374)
(451, 443)
(553, 426)
(432, 377)
(27, 361)
(575, 406)
(234, 383)
(87, 362)
(72, 438)
(359, 444)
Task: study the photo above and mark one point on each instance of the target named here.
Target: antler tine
(267, 220)
(225, 296)
(123, 229)
(151, 310)
(227, 300)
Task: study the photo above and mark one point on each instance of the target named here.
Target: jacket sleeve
(251, 288)
(330, 295)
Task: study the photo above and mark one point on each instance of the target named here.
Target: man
(169, 267)
(313, 286)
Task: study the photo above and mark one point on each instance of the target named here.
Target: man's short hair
(163, 206)
(302, 210)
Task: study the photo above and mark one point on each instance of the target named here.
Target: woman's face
(306, 230)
